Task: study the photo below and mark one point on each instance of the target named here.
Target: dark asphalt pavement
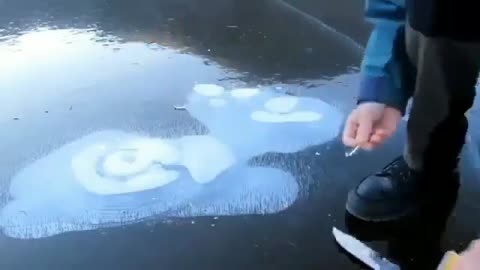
(194, 134)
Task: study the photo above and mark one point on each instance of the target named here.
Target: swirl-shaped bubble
(139, 165)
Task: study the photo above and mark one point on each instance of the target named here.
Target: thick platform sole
(373, 212)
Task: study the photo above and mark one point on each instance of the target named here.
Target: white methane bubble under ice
(111, 177)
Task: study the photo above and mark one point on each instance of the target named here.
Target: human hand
(370, 125)
(469, 259)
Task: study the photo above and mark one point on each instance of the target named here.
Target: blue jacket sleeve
(381, 69)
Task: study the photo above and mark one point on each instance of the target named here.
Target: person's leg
(446, 73)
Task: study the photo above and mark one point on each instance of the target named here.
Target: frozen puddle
(110, 178)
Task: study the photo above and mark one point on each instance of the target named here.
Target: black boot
(386, 195)
(398, 191)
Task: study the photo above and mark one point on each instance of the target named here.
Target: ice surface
(110, 178)
(209, 90)
(244, 92)
(281, 104)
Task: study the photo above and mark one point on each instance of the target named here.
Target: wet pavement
(189, 134)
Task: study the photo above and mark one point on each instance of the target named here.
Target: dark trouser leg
(445, 89)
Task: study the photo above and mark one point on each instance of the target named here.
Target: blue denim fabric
(383, 65)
